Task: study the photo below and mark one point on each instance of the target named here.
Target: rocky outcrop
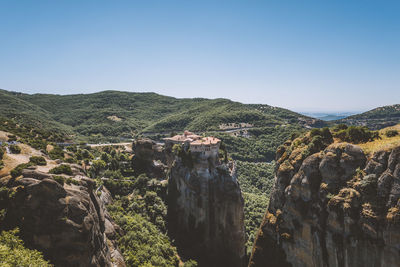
(149, 158)
(332, 208)
(205, 211)
(67, 221)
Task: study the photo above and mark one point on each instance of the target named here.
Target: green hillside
(114, 114)
(12, 106)
(375, 119)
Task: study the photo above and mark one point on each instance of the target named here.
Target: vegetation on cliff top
(388, 138)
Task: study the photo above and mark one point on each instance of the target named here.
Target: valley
(199, 133)
(134, 181)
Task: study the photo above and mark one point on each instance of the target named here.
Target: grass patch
(385, 143)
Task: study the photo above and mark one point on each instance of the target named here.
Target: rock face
(334, 208)
(205, 211)
(68, 223)
(149, 158)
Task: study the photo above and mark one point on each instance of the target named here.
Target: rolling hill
(114, 114)
(13, 107)
(375, 119)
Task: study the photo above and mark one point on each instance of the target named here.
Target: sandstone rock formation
(333, 208)
(149, 158)
(205, 211)
(67, 222)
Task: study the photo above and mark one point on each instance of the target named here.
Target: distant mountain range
(328, 116)
(115, 114)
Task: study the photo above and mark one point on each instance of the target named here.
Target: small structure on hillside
(206, 145)
(185, 138)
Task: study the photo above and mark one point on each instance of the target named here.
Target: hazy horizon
(304, 56)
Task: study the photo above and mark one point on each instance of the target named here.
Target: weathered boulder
(35, 174)
(337, 209)
(69, 223)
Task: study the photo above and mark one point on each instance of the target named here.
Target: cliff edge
(65, 217)
(332, 205)
(205, 210)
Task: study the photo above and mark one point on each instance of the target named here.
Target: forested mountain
(112, 114)
(24, 112)
(375, 119)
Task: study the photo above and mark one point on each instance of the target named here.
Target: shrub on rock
(62, 169)
(37, 160)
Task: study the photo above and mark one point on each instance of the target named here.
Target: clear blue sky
(303, 55)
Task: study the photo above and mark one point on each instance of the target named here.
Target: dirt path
(13, 160)
(128, 146)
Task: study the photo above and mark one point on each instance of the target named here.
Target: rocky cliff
(65, 218)
(336, 207)
(149, 158)
(205, 211)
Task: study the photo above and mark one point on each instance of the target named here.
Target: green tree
(15, 149)
(56, 153)
(389, 133)
(97, 166)
(13, 253)
(105, 157)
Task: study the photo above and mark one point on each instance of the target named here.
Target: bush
(17, 171)
(389, 133)
(59, 179)
(356, 135)
(15, 149)
(119, 187)
(176, 149)
(70, 160)
(70, 180)
(12, 138)
(96, 167)
(340, 127)
(56, 153)
(62, 169)
(35, 160)
(1, 153)
(190, 263)
(65, 180)
(325, 134)
(113, 174)
(13, 252)
(320, 139)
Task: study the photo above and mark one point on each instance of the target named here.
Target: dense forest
(112, 115)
